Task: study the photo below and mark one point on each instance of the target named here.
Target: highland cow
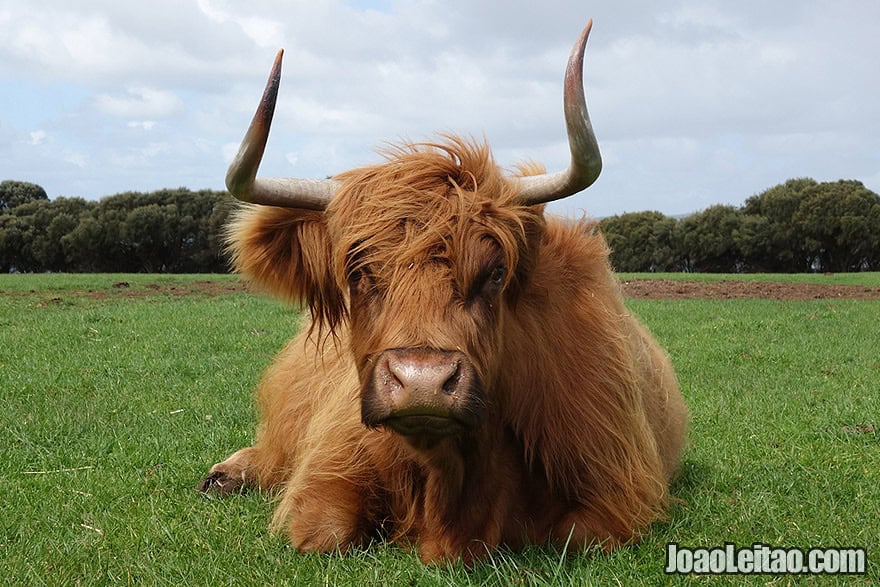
(470, 376)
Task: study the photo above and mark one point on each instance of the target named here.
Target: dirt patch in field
(202, 287)
(648, 289)
(674, 289)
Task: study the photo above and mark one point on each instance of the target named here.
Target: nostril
(395, 374)
(451, 384)
(391, 377)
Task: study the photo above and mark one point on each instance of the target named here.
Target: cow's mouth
(424, 425)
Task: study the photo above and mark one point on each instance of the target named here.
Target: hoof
(220, 483)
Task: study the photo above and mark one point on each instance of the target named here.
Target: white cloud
(76, 159)
(212, 11)
(154, 149)
(265, 32)
(704, 16)
(141, 101)
(38, 137)
(694, 103)
(142, 124)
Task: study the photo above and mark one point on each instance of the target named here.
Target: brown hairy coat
(579, 420)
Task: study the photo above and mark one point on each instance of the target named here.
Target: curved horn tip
(241, 178)
(276, 65)
(243, 170)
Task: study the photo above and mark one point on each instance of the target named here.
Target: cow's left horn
(242, 180)
(586, 163)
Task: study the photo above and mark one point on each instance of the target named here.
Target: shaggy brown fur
(581, 424)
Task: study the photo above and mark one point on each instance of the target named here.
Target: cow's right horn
(242, 180)
(586, 162)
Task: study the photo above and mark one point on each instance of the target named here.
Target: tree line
(795, 227)
(799, 226)
(167, 231)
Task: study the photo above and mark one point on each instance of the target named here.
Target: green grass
(871, 279)
(114, 408)
(48, 282)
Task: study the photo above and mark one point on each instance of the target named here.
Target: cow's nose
(422, 393)
(422, 375)
(422, 382)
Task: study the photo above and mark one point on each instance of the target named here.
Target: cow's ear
(532, 226)
(287, 252)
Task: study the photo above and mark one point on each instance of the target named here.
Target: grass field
(114, 407)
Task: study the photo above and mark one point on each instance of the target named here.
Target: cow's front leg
(327, 514)
(234, 475)
(584, 527)
(449, 546)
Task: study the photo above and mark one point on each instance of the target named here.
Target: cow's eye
(487, 284)
(359, 279)
(498, 274)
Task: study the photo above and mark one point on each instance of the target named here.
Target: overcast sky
(694, 102)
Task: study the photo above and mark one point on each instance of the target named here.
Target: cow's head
(421, 256)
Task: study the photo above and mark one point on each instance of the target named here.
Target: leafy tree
(12, 241)
(15, 193)
(641, 241)
(770, 239)
(34, 232)
(149, 232)
(83, 245)
(841, 224)
(201, 220)
(164, 231)
(707, 240)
